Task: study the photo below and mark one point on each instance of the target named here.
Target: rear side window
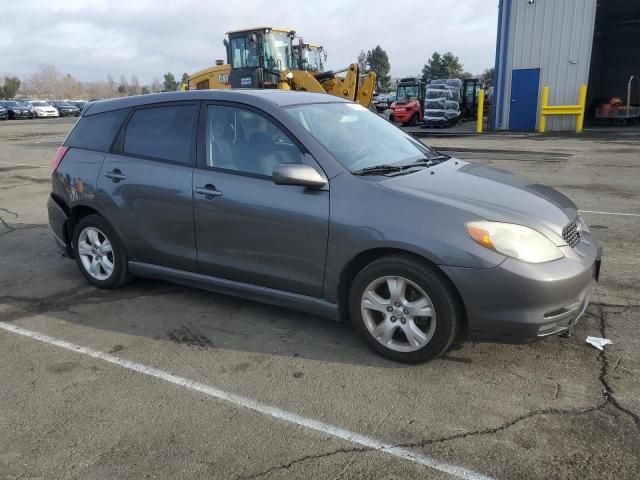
(97, 132)
(165, 133)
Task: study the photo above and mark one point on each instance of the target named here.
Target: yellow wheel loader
(265, 57)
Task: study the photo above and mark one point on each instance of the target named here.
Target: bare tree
(155, 85)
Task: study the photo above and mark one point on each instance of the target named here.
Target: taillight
(57, 159)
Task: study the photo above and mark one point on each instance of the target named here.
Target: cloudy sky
(92, 38)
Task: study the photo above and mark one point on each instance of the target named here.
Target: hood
(491, 193)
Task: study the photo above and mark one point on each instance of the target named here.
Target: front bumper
(402, 117)
(46, 114)
(22, 114)
(518, 301)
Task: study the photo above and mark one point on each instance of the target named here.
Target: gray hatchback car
(308, 201)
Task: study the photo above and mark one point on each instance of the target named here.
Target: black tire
(447, 305)
(414, 120)
(120, 274)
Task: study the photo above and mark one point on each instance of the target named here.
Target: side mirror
(298, 174)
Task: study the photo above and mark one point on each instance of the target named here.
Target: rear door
(248, 228)
(145, 185)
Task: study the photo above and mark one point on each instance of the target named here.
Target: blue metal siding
(553, 35)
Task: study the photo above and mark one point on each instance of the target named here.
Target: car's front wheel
(99, 253)
(405, 309)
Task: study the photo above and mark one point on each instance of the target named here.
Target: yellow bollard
(542, 124)
(480, 120)
(582, 101)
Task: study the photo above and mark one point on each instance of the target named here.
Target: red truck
(408, 109)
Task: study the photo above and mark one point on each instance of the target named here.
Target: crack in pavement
(607, 391)
(286, 466)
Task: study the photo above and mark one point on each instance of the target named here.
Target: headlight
(516, 241)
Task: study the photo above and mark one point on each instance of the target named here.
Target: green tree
(378, 60)
(10, 88)
(442, 66)
(185, 78)
(487, 77)
(170, 84)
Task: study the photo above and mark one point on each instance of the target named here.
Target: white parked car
(43, 109)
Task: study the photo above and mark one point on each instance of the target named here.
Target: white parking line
(24, 165)
(274, 412)
(612, 213)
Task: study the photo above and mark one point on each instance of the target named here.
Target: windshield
(64, 104)
(405, 92)
(12, 104)
(356, 137)
(277, 51)
(313, 59)
(39, 104)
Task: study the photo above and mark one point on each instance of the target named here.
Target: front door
(249, 229)
(524, 99)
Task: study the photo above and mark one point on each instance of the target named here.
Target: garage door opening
(615, 58)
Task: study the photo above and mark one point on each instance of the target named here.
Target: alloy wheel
(398, 313)
(96, 253)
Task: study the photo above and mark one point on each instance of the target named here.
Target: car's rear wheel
(405, 309)
(414, 120)
(99, 253)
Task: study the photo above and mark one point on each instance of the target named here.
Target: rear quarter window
(97, 132)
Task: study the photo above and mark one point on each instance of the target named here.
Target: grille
(571, 234)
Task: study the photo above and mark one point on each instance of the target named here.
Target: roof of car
(258, 98)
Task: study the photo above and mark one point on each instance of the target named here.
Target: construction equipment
(309, 56)
(265, 57)
(408, 109)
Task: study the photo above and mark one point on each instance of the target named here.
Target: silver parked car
(312, 202)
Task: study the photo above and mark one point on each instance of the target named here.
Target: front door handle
(209, 191)
(115, 175)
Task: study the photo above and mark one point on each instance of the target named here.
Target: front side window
(277, 51)
(165, 133)
(245, 141)
(356, 137)
(243, 53)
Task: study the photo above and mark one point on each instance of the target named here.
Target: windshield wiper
(378, 169)
(382, 169)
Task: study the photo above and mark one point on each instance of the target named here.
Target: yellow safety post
(480, 120)
(582, 102)
(577, 110)
(542, 124)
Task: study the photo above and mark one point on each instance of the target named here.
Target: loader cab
(313, 57)
(258, 57)
(308, 56)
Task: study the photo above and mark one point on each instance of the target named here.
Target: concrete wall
(553, 35)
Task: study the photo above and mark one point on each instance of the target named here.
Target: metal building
(563, 44)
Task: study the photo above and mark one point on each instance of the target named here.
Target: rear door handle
(209, 191)
(115, 175)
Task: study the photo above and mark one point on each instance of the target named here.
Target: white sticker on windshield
(355, 106)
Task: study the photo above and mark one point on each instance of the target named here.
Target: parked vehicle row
(17, 109)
